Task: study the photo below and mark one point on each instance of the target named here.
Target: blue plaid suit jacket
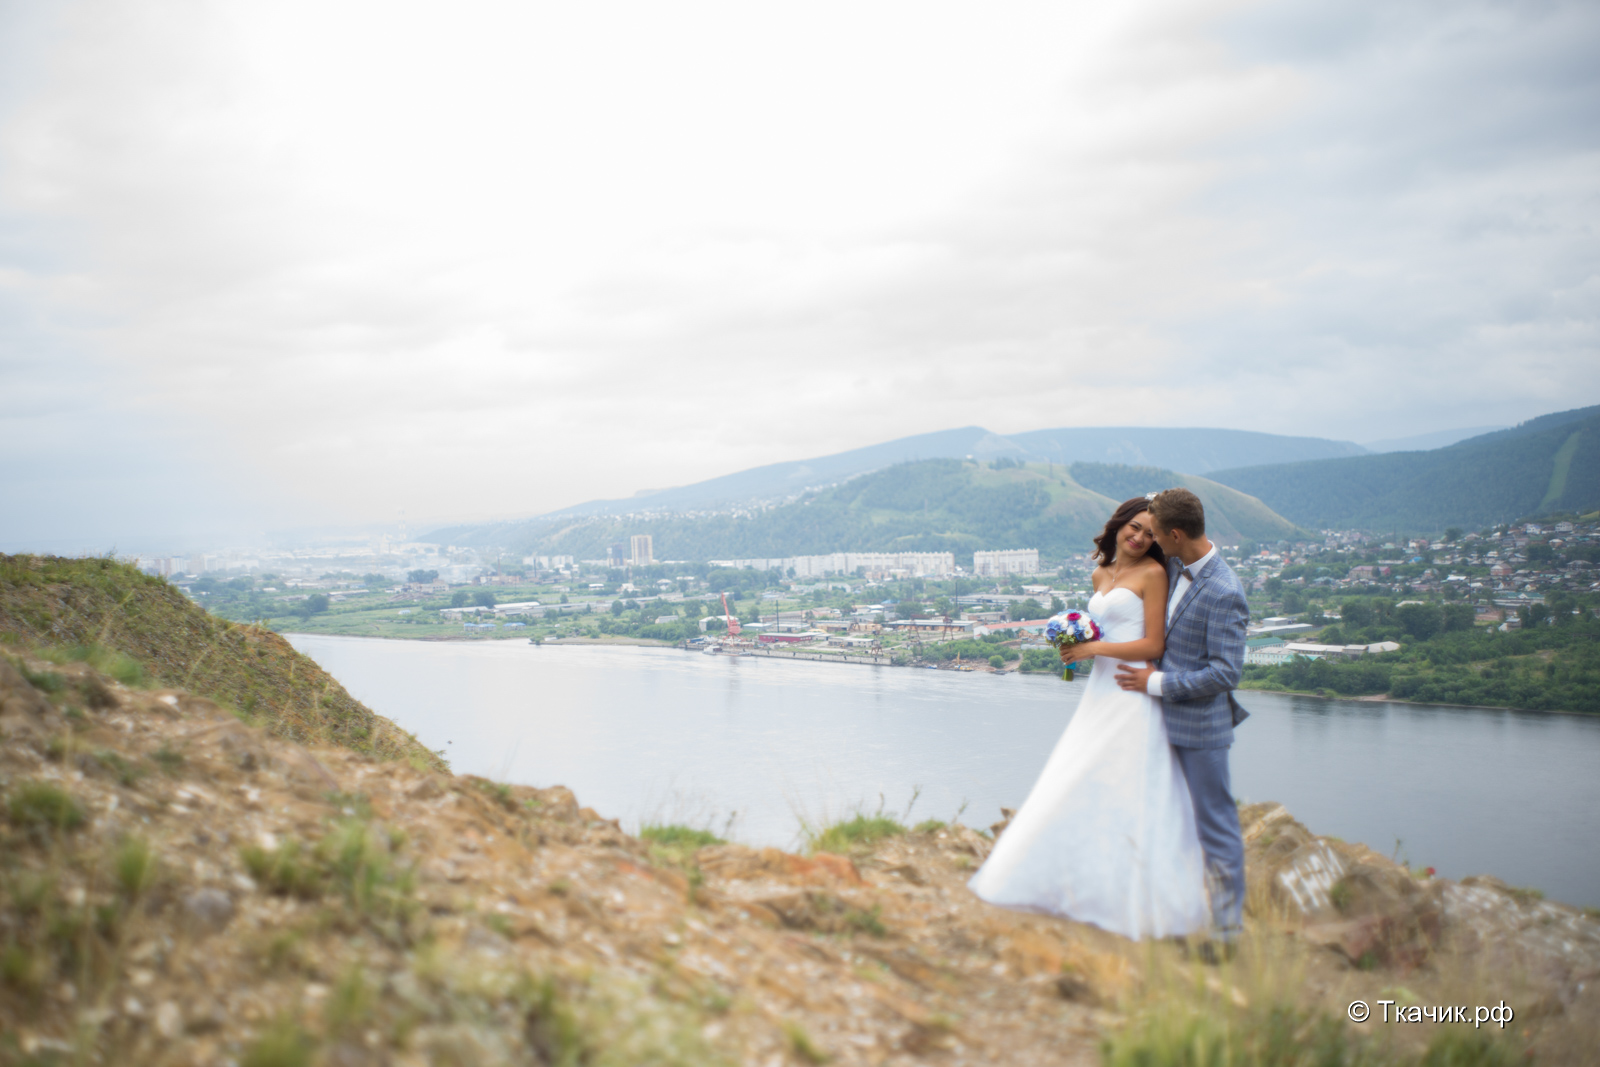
(1204, 657)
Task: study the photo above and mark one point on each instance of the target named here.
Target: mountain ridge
(1547, 464)
(1426, 442)
(937, 505)
(1198, 450)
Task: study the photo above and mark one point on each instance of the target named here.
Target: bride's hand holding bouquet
(1079, 652)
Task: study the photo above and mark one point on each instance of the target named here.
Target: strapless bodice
(1120, 613)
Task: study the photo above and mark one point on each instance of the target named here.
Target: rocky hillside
(138, 629)
(180, 887)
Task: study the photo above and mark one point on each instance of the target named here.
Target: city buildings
(1005, 562)
(642, 550)
(866, 564)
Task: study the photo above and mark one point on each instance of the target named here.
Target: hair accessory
(1151, 495)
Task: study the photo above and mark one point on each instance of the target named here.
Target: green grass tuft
(676, 835)
(44, 806)
(350, 1004)
(126, 773)
(675, 845)
(30, 892)
(351, 860)
(1284, 1036)
(19, 968)
(168, 759)
(801, 1044)
(1468, 1048)
(284, 1044)
(553, 1030)
(135, 867)
(123, 668)
(1281, 1036)
(283, 870)
(499, 792)
(869, 921)
(45, 681)
(857, 833)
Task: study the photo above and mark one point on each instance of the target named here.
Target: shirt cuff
(1153, 684)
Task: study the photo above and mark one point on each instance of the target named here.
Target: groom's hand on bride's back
(1135, 679)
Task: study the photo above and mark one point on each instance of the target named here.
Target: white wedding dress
(1107, 836)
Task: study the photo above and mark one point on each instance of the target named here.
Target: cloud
(505, 258)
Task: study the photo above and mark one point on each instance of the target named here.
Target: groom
(1206, 617)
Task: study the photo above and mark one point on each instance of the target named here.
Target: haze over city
(294, 265)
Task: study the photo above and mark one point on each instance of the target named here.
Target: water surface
(650, 734)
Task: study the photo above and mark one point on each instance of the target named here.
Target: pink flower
(1074, 615)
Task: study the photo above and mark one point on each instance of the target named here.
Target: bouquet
(1071, 628)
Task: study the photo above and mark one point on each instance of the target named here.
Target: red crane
(729, 618)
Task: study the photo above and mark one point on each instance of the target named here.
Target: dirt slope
(141, 628)
(177, 887)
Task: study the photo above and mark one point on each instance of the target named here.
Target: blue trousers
(1216, 816)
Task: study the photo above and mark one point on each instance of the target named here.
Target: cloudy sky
(267, 265)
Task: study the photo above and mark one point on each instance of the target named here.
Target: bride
(1107, 836)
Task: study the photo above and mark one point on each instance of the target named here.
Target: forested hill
(933, 505)
(1549, 464)
(1231, 516)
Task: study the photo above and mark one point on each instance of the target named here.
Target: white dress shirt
(1153, 686)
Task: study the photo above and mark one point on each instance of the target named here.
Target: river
(758, 745)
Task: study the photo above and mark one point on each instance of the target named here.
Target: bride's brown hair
(1105, 546)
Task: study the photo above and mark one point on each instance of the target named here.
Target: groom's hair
(1179, 509)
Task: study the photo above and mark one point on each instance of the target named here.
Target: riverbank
(1540, 667)
(1248, 685)
(777, 652)
(1386, 698)
(885, 660)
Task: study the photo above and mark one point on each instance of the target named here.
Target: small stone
(1074, 987)
(169, 1020)
(209, 909)
(205, 1016)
